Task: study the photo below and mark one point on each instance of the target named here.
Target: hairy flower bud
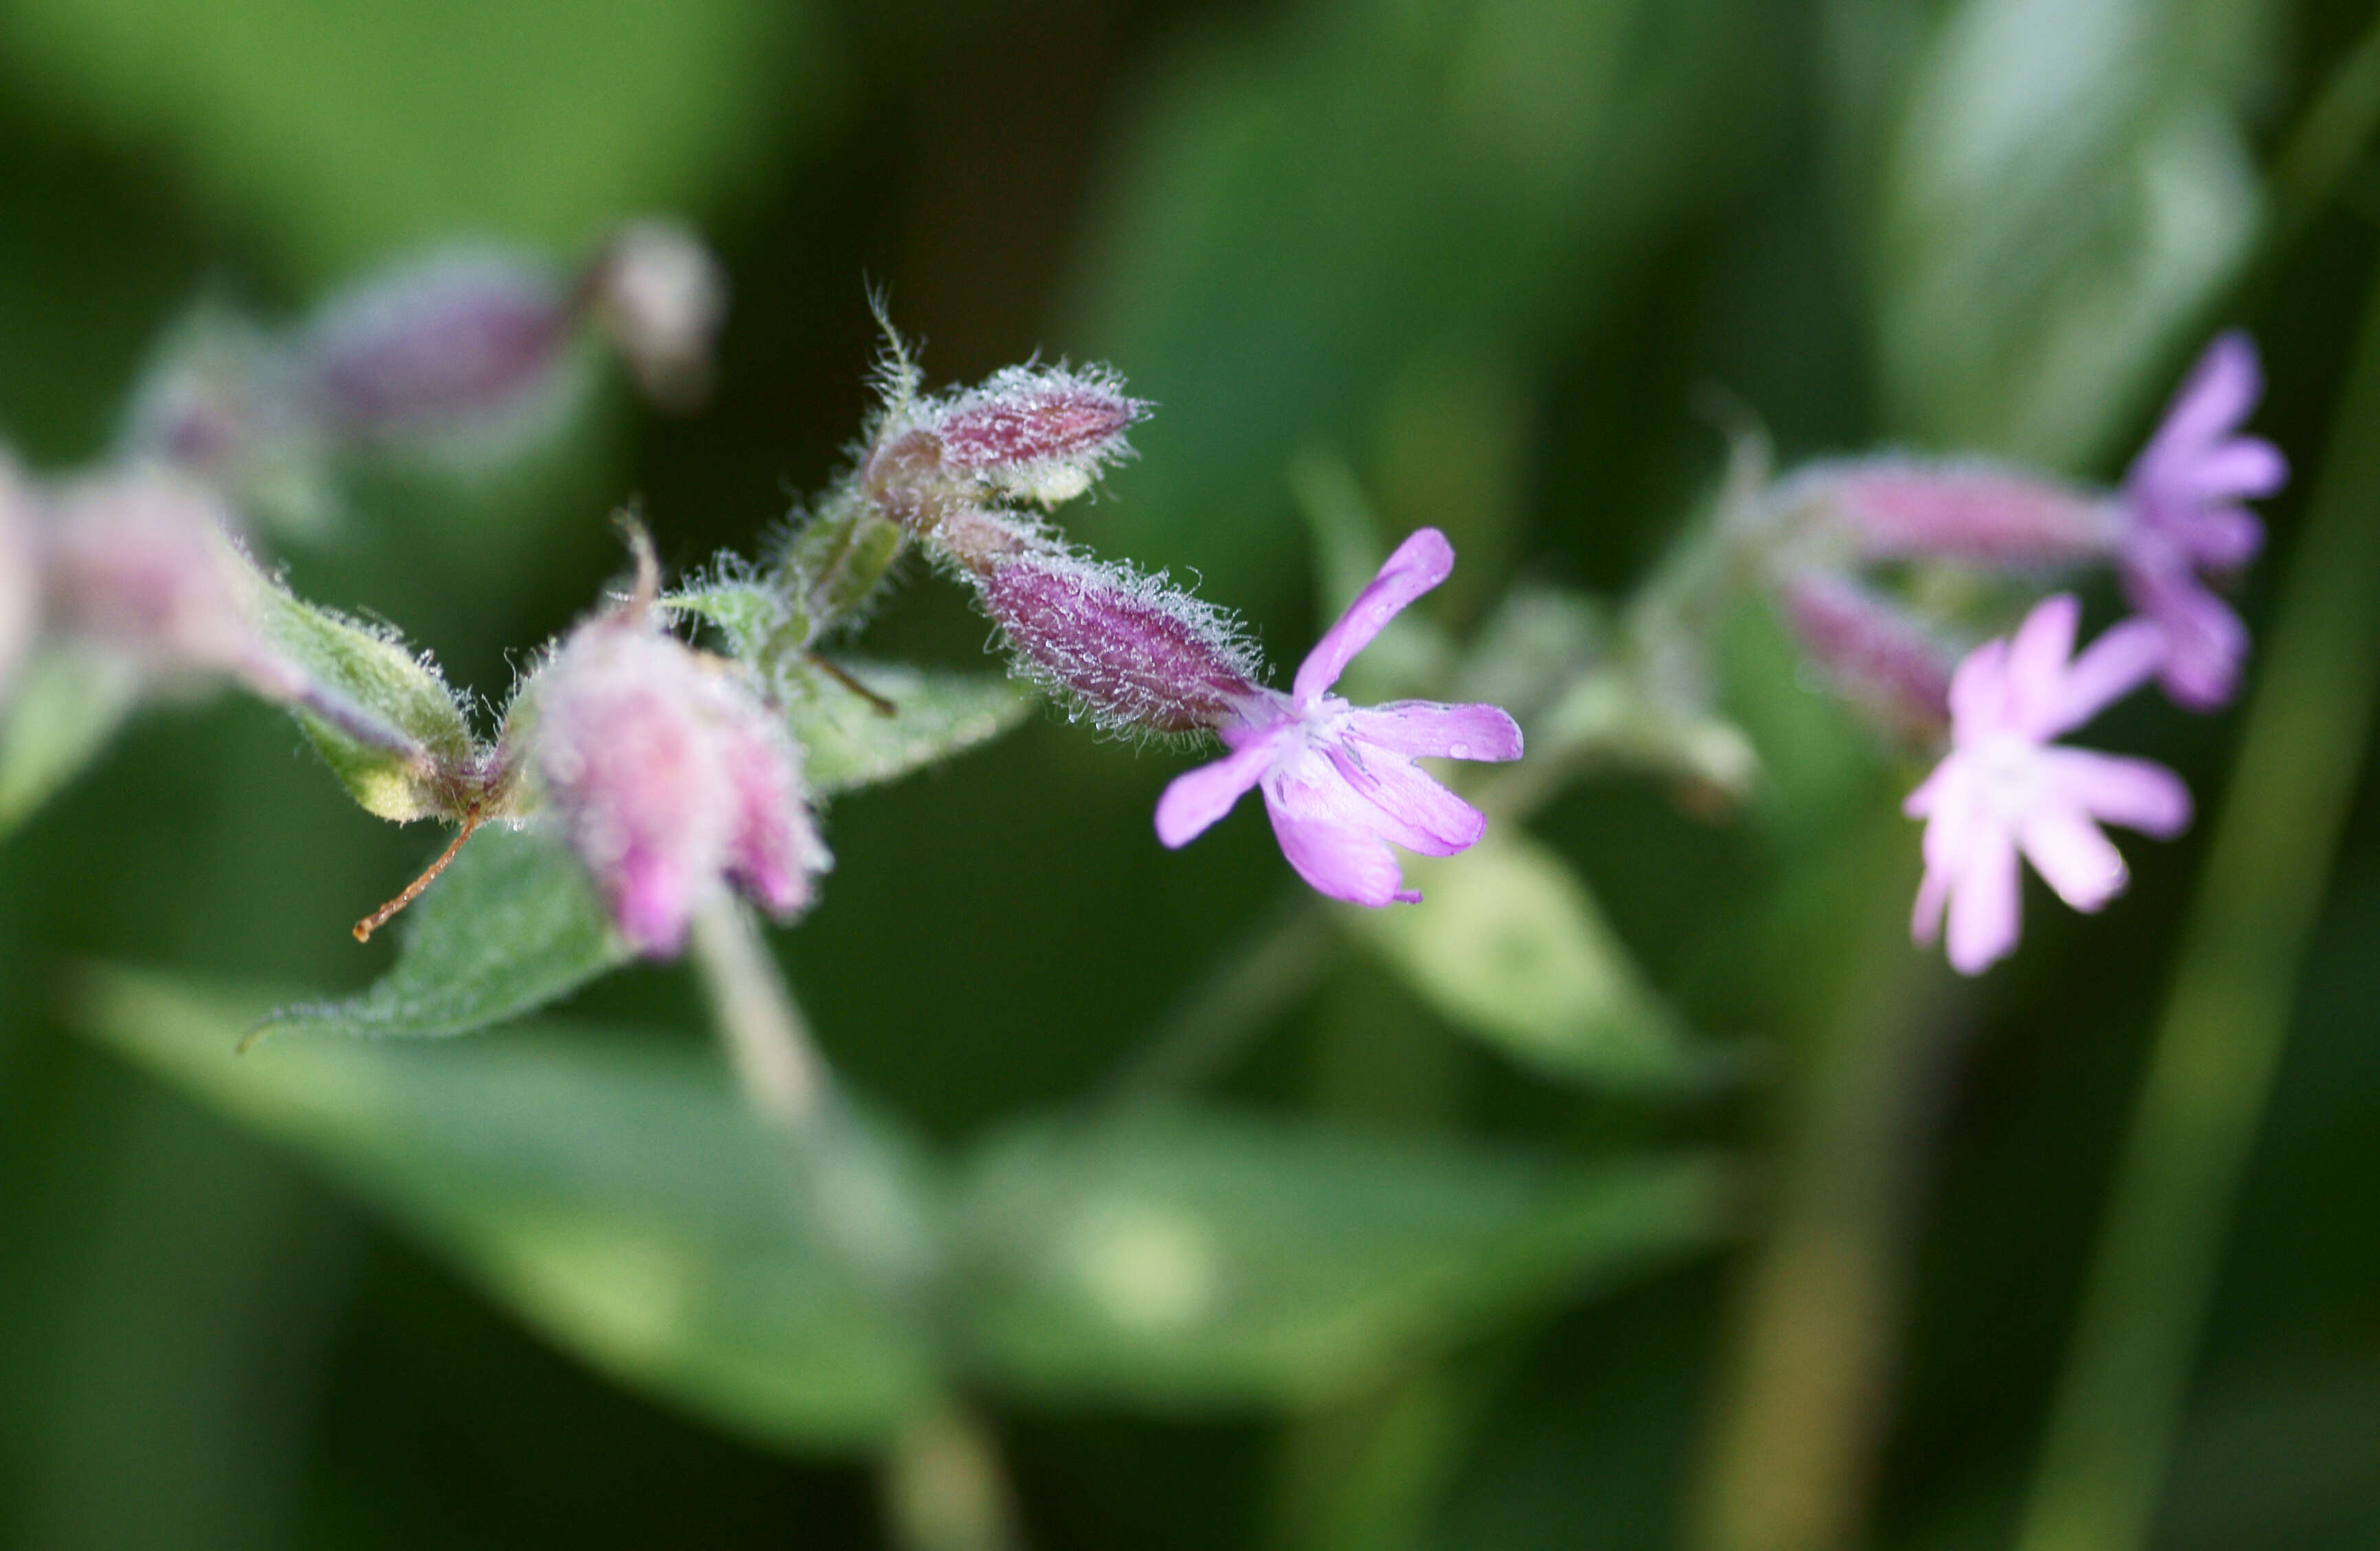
(1905, 509)
(462, 345)
(662, 297)
(1130, 650)
(20, 577)
(671, 779)
(1872, 652)
(142, 565)
(1037, 434)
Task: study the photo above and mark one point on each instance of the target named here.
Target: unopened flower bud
(671, 780)
(21, 584)
(1037, 434)
(1870, 651)
(142, 565)
(1904, 509)
(1132, 652)
(662, 297)
(463, 345)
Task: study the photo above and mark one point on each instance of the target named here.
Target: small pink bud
(1871, 651)
(662, 297)
(1131, 650)
(1040, 433)
(20, 577)
(1903, 509)
(143, 563)
(459, 344)
(671, 780)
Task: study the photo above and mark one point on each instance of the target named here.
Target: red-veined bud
(671, 780)
(662, 297)
(1870, 651)
(464, 345)
(1037, 434)
(1129, 650)
(1905, 509)
(143, 563)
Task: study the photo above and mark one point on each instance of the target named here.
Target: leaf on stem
(1185, 1259)
(615, 1194)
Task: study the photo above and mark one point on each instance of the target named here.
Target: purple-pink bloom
(1338, 781)
(671, 779)
(2182, 510)
(2005, 789)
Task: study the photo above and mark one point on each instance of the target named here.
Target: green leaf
(2068, 190)
(60, 711)
(1509, 944)
(1187, 1259)
(847, 742)
(514, 923)
(613, 1193)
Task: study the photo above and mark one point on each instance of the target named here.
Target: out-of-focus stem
(2227, 1013)
(1282, 960)
(767, 1041)
(1808, 1380)
(944, 1488)
(2333, 133)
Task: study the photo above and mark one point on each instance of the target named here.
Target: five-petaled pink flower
(1338, 779)
(2003, 788)
(2182, 510)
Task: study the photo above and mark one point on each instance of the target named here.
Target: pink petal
(1424, 727)
(2123, 658)
(2137, 794)
(2068, 849)
(1409, 809)
(1420, 563)
(1933, 892)
(1986, 907)
(2243, 466)
(2036, 664)
(1194, 799)
(2220, 390)
(2224, 537)
(1343, 860)
(1979, 691)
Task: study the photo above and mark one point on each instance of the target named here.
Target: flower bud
(142, 565)
(1870, 651)
(20, 579)
(466, 344)
(1128, 650)
(671, 779)
(1037, 434)
(1903, 509)
(662, 297)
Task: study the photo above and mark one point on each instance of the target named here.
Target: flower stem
(767, 1043)
(944, 1487)
(2217, 1049)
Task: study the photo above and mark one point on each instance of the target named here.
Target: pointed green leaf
(1184, 1259)
(1509, 944)
(513, 924)
(613, 1193)
(62, 709)
(847, 742)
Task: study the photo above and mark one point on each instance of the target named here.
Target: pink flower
(1338, 781)
(2183, 514)
(671, 779)
(2005, 789)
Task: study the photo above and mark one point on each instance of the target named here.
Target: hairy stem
(2218, 1043)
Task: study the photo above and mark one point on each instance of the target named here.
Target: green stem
(1280, 962)
(2227, 1013)
(945, 1488)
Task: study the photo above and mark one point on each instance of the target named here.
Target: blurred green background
(1497, 257)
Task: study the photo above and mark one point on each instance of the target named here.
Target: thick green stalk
(2118, 1405)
